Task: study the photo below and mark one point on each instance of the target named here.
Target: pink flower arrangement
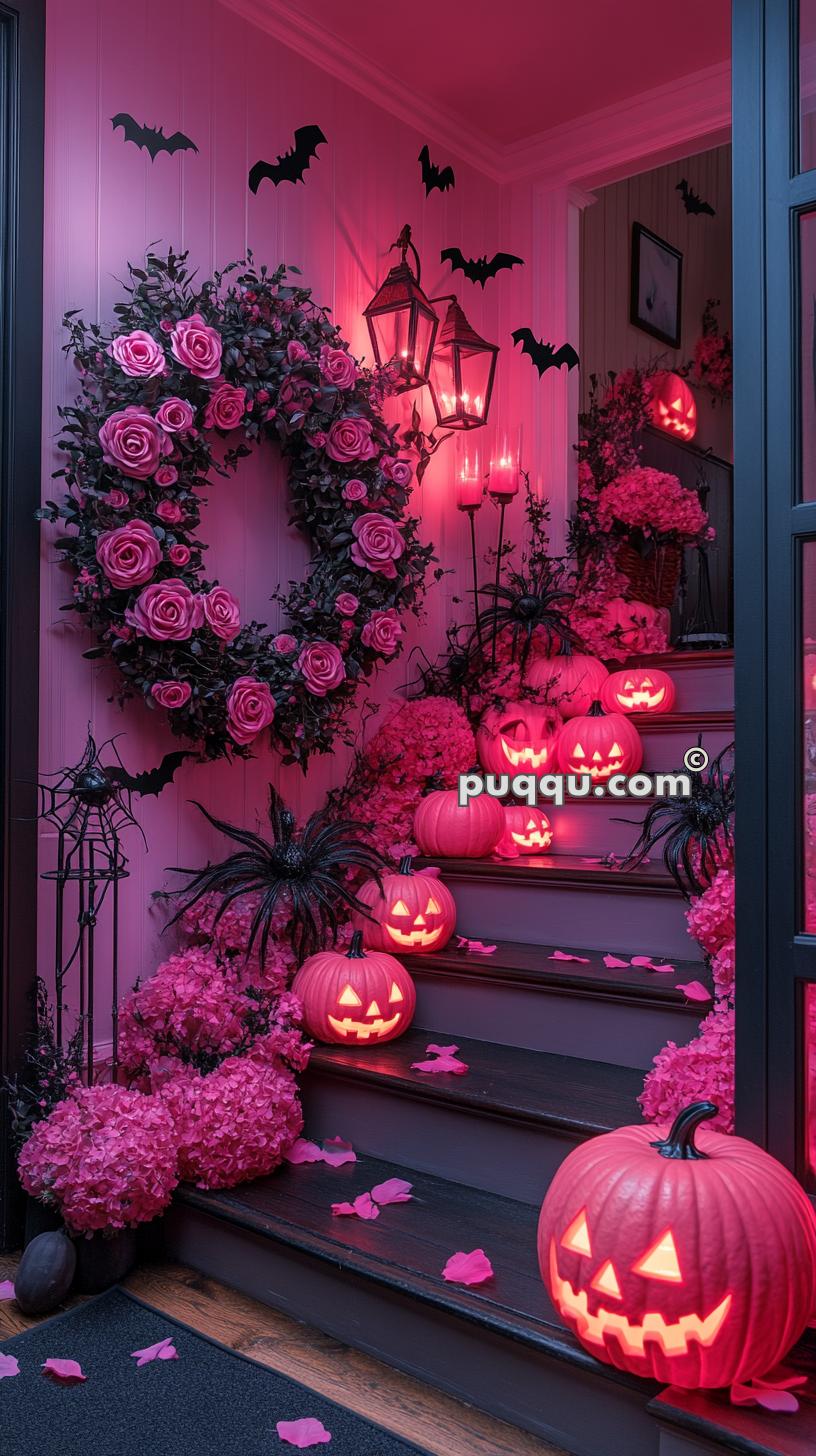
(711, 917)
(166, 610)
(713, 363)
(138, 354)
(197, 346)
(322, 666)
(250, 709)
(129, 554)
(652, 501)
(377, 544)
(701, 1071)
(228, 935)
(132, 442)
(194, 1005)
(106, 1157)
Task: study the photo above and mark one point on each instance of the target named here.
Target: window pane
(810, 1077)
(807, 85)
(807, 371)
(809, 730)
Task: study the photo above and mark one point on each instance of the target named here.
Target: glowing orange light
(577, 1237)
(606, 1280)
(661, 1262)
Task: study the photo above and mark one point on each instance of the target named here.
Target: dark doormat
(210, 1400)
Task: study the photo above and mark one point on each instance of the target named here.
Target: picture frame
(656, 287)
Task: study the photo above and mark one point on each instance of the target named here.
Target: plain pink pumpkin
(570, 680)
(469, 831)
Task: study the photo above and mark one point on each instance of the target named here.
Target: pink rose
(297, 353)
(382, 632)
(355, 490)
(117, 499)
(337, 367)
(175, 414)
(170, 512)
(296, 395)
(166, 475)
(138, 354)
(179, 554)
(128, 555)
(225, 407)
(346, 603)
(250, 709)
(396, 469)
(284, 642)
(322, 667)
(197, 346)
(167, 326)
(167, 611)
(350, 439)
(171, 694)
(222, 612)
(133, 442)
(378, 544)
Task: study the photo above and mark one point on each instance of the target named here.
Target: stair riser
(499, 1154)
(616, 1031)
(663, 751)
(647, 921)
(703, 689)
(582, 1410)
(595, 829)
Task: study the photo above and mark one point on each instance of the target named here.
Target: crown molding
(664, 122)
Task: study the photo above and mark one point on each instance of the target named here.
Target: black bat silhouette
(440, 177)
(153, 780)
(543, 355)
(291, 165)
(151, 137)
(478, 270)
(692, 201)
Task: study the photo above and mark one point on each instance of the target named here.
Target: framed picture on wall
(657, 279)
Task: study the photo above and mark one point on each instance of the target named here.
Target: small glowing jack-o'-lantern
(638, 690)
(527, 831)
(570, 680)
(518, 736)
(599, 745)
(410, 912)
(673, 407)
(357, 998)
(658, 1257)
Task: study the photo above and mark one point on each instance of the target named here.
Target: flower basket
(654, 578)
(104, 1259)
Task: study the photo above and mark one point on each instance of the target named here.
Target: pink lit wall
(195, 65)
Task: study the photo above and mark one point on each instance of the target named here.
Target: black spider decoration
(537, 597)
(691, 829)
(309, 868)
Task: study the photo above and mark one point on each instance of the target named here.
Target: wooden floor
(401, 1404)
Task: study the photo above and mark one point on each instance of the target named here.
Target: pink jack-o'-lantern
(518, 737)
(570, 680)
(411, 912)
(599, 744)
(527, 831)
(673, 407)
(356, 997)
(638, 690)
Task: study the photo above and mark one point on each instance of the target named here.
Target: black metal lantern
(402, 322)
(462, 372)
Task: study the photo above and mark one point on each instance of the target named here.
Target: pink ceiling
(512, 69)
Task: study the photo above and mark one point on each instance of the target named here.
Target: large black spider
(536, 597)
(309, 868)
(692, 829)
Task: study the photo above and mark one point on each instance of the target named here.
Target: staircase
(556, 1051)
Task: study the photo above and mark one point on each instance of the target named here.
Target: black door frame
(22, 95)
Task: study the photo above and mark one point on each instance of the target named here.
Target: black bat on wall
(478, 270)
(152, 137)
(691, 201)
(153, 780)
(291, 166)
(543, 355)
(440, 177)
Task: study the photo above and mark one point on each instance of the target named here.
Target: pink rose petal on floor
(441, 1064)
(363, 1207)
(8, 1366)
(442, 1051)
(343, 1210)
(562, 955)
(769, 1397)
(162, 1350)
(393, 1190)
(647, 964)
(303, 1434)
(695, 991)
(64, 1372)
(6, 1289)
(472, 1268)
(336, 1152)
(302, 1151)
(476, 947)
(614, 963)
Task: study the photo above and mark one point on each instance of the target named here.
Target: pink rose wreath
(244, 351)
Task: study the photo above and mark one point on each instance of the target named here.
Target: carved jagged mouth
(414, 937)
(673, 1339)
(363, 1029)
(535, 757)
(532, 841)
(639, 700)
(596, 770)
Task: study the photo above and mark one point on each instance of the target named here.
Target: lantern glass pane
(474, 366)
(807, 85)
(426, 326)
(391, 330)
(443, 381)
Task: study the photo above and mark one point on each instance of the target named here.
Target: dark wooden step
(505, 1126)
(696, 1422)
(565, 870)
(616, 1016)
(378, 1285)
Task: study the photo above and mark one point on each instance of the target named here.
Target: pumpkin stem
(406, 865)
(355, 951)
(680, 1142)
(596, 709)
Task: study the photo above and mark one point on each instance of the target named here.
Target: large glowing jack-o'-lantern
(468, 831)
(661, 1256)
(570, 680)
(673, 407)
(527, 831)
(598, 745)
(355, 999)
(518, 736)
(409, 912)
(638, 690)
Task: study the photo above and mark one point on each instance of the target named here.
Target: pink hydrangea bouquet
(651, 504)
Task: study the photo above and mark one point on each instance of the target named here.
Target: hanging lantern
(462, 371)
(401, 321)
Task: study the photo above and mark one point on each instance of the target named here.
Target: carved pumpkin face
(412, 912)
(518, 738)
(673, 407)
(527, 831)
(599, 745)
(657, 1258)
(570, 680)
(355, 999)
(638, 690)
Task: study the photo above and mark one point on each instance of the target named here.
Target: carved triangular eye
(628, 686)
(606, 1280)
(395, 993)
(616, 751)
(348, 997)
(432, 908)
(400, 908)
(578, 751)
(646, 682)
(660, 1261)
(531, 824)
(677, 404)
(577, 1236)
